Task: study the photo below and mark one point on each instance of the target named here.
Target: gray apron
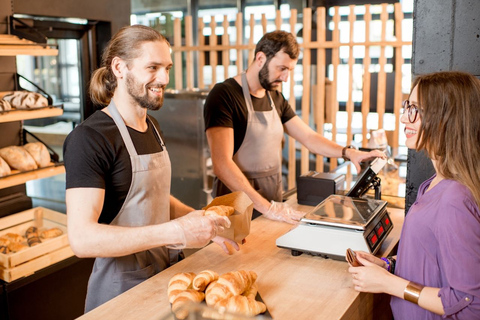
(147, 203)
(260, 155)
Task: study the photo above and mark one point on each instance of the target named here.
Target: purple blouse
(440, 247)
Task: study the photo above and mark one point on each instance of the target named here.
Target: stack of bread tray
(38, 249)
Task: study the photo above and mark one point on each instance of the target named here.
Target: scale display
(345, 212)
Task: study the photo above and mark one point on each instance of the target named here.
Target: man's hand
(282, 211)
(195, 230)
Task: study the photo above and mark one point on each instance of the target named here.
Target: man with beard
(245, 119)
(119, 206)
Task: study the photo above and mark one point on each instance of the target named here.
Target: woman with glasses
(436, 273)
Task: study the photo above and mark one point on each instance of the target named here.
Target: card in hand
(352, 258)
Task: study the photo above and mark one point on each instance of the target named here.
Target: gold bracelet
(412, 292)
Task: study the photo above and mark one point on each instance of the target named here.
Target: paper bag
(240, 219)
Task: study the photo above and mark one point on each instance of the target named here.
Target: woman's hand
(372, 276)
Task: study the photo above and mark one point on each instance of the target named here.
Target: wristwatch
(344, 152)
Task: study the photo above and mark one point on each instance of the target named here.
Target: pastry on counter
(178, 283)
(241, 304)
(26, 100)
(18, 158)
(39, 153)
(4, 168)
(179, 304)
(201, 281)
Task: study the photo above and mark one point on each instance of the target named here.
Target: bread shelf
(16, 115)
(22, 177)
(11, 45)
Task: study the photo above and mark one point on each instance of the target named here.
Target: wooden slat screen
(319, 98)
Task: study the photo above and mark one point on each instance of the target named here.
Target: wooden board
(22, 263)
(17, 115)
(17, 177)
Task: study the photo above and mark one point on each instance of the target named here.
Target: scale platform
(338, 223)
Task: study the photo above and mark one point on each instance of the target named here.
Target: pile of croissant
(232, 292)
(14, 242)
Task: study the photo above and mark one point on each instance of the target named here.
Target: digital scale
(343, 221)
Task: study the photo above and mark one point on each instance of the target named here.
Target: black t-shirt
(95, 156)
(225, 106)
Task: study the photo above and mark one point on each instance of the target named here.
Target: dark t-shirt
(225, 106)
(95, 156)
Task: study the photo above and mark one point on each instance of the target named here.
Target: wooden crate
(27, 261)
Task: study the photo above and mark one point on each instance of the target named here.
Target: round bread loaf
(26, 99)
(39, 152)
(5, 105)
(18, 158)
(4, 168)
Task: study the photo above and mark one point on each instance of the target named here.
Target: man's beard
(134, 89)
(264, 76)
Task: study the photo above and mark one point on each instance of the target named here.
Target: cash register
(343, 221)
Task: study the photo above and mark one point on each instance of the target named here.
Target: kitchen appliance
(342, 221)
(313, 187)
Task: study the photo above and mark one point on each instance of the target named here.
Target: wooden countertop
(302, 287)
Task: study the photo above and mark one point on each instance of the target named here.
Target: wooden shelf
(19, 178)
(11, 45)
(16, 115)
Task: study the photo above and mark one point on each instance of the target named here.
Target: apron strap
(248, 99)
(122, 128)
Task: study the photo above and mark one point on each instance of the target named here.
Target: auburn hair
(450, 129)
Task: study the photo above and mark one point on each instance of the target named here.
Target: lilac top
(440, 247)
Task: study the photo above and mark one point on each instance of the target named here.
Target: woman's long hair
(125, 45)
(450, 128)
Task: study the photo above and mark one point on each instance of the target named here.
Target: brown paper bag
(240, 219)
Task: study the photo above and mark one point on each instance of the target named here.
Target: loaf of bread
(179, 283)
(240, 304)
(18, 158)
(220, 210)
(5, 105)
(201, 281)
(4, 168)
(238, 281)
(184, 297)
(32, 236)
(16, 246)
(13, 237)
(216, 292)
(26, 100)
(51, 233)
(39, 153)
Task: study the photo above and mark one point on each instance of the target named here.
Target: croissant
(4, 241)
(184, 297)
(51, 233)
(201, 281)
(32, 236)
(13, 237)
(216, 292)
(238, 281)
(241, 305)
(4, 249)
(178, 283)
(252, 291)
(16, 246)
(220, 210)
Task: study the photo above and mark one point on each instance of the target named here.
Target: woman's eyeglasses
(411, 109)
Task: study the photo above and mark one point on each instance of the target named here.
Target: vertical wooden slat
(335, 63)
(397, 98)
(366, 77)
(264, 23)
(278, 20)
(307, 21)
(213, 53)
(201, 54)
(225, 52)
(239, 28)
(351, 60)
(320, 99)
(382, 76)
(251, 45)
(177, 41)
(291, 179)
(189, 54)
